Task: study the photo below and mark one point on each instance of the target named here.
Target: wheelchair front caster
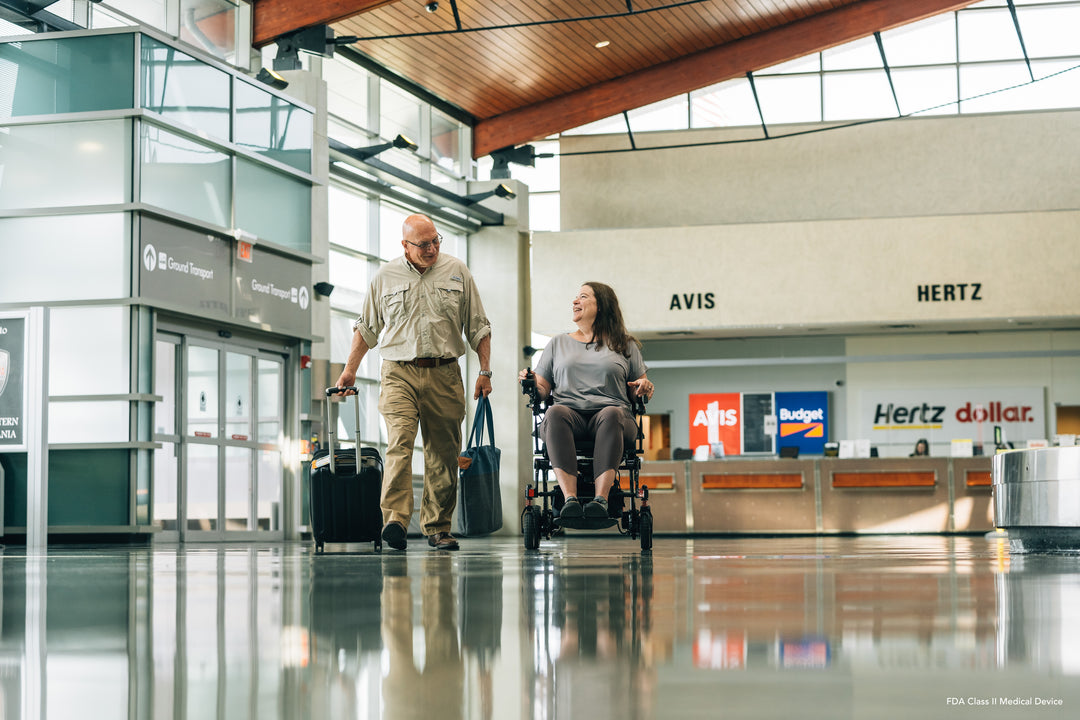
(530, 527)
(645, 527)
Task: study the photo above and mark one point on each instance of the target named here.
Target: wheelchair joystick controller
(528, 385)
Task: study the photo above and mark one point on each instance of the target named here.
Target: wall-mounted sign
(197, 271)
(950, 292)
(184, 267)
(273, 290)
(803, 419)
(941, 415)
(715, 418)
(12, 382)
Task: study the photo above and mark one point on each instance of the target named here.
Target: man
(422, 303)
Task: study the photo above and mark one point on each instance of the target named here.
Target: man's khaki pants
(433, 399)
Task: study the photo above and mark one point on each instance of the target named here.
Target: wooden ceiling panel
(540, 77)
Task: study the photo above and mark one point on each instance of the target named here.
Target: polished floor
(587, 627)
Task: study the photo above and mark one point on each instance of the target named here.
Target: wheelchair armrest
(637, 405)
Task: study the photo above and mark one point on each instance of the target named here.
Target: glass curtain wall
(967, 61)
(365, 229)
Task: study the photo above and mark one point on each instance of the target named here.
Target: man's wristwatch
(485, 373)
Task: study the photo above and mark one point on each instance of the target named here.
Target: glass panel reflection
(238, 488)
(202, 392)
(273, 126)
(211, 26)
(273, 206)
(269, 390)
(238, 396)
(185, 177)
(202, 487)
(82, 74)
(65, 164)
(268, 500)
(184, 89)
(166, 506)
(101, 254)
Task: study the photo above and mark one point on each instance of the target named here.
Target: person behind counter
(922, 448)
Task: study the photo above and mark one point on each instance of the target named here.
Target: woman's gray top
(587, 379)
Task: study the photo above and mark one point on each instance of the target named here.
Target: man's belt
(428, 362)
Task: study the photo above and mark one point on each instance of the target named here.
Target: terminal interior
(843, 231)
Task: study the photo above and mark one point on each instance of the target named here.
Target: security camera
(431, 7)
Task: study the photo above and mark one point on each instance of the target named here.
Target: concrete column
(499, 260)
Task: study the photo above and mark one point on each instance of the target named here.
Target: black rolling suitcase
(345, 498)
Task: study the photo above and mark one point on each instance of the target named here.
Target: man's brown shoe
(442, 541)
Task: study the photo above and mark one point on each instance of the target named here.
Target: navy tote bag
(479, 499)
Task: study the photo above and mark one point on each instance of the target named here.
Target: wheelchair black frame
(539, 521)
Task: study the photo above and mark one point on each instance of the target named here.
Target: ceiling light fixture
(401, 142)
(501, 190)
(271, 78)
(602, 44)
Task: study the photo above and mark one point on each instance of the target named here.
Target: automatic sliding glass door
(231, 438)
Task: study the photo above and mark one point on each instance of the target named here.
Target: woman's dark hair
(608, 328)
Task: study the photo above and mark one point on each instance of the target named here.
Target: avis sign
(716, 418)
(944, 414)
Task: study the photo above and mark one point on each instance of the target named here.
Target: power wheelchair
(540, 516)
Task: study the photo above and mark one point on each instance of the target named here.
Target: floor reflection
(586, 628)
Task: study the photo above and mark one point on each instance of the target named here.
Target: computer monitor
(789, 451)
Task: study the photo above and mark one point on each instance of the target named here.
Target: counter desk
(821, 495)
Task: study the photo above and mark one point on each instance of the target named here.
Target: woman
(922, 448)
(590, 374)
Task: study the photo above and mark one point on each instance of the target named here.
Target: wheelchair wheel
(530, 527)
(645, 527)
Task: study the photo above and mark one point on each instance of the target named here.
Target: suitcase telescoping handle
(331, 424)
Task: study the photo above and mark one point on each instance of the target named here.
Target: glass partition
(88, 422)
(89, 351)
(273, 206)
(273, 127)
(82, 74)
(184, 89)
(94, 250)
(65, 164)
(184, 176)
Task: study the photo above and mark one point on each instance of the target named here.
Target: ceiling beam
(701, 69)
(274, 18)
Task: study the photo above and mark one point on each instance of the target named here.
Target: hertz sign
(941, 415)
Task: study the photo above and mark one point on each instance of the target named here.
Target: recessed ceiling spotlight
(602, 44)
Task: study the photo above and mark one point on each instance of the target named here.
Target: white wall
(968, 164)
(823, 241)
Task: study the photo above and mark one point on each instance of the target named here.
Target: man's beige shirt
(423, 315)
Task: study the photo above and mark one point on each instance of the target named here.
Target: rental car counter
(820, 495)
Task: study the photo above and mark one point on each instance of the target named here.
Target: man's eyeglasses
(425, 246)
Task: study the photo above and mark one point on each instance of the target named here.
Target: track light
(271, 78)
(401, 142)
(501, 190)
